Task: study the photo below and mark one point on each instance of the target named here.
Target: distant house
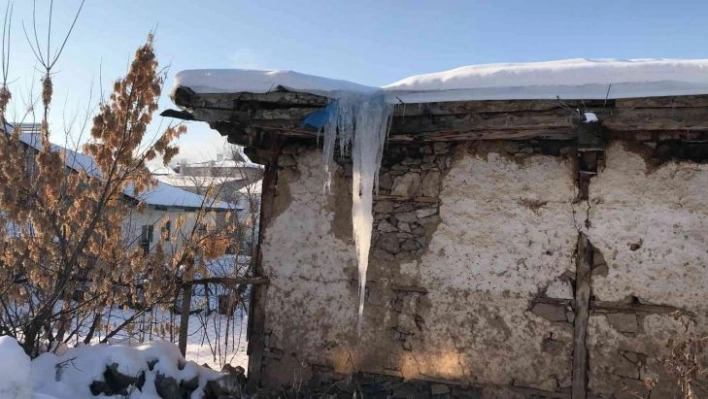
(164, 204)
(536, 229)
(234, 179)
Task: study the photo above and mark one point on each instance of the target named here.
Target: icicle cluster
(362, 122)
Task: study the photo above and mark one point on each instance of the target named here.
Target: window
(202, 230)
(167, 231)
(146, 237)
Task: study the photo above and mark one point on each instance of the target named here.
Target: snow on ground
(69, 374)
(15, 378)
(213, 340)
(568, 79)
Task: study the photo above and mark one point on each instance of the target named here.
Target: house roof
(568, 79)
(161, 195)
(643, 99)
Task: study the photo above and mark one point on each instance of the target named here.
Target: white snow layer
(15, 377)
(254, 81)
(568, 79)
(69, 375)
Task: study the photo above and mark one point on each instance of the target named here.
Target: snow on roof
(254, 81)
(161, 195)
(224, 163)
(568, 79)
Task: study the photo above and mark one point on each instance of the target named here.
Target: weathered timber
(406, 288)
(400, 198)
(557, 118)
(185, 97)
(643, 119)
(493, 106)
(663, 102)
(603, 307)
(582, 315)
(257, 311)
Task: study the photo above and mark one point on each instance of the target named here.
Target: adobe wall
(472, 270)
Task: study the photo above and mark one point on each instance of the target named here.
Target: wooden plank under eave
(663, 102)
(582, 316)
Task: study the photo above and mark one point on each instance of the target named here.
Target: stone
(601, 270)
(552, 346)
(286, 161)
(560, 289)
(623, 322)
(632, 357)
(435, 219)
(383, 207)
(425, 212)
(400, 208)
(570, 316)
(430, 186)
(381, 254)
(597, 258)
(406, 185)
(550, 312)
(511, 146)
(386, 227)
(167, 387)
(404, 227)
(439, 389)
(411, 161)
(389, 243)
(422, 242)
(406, 391)
(625, 368)
(385, 181)
(440, 147)
(409, 246)
(406, 217)
(419, 231)
(192, 385)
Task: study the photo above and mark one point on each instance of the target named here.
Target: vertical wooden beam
(257, 305)
(582, 315)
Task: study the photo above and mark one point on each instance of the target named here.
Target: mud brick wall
(472, 274)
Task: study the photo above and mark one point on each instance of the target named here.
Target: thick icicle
(361, 121)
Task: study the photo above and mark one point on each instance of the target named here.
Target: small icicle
(362, 121)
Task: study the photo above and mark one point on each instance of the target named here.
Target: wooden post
(582, 315)
(184, 318)
(257, 311)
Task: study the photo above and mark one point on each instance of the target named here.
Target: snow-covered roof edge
(567, 79)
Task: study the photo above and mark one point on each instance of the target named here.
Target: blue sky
(373, 42)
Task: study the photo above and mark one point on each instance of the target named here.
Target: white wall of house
(133, 225)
